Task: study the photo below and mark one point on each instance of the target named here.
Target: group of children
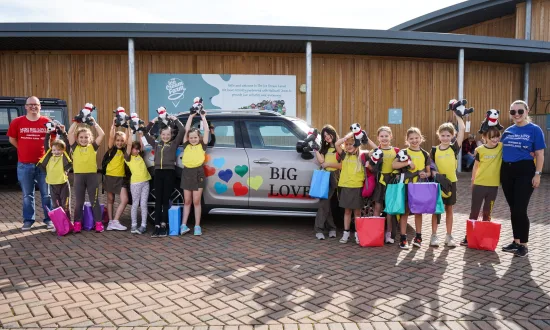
(124, 169)
(347, 163)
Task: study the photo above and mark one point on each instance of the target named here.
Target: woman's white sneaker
(345, 237)
(115, 225)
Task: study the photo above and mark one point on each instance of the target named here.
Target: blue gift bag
(174, 220)
(319, 186)
(439, 206)
(395, 198)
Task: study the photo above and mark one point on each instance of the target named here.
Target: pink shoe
(77, 227)
(99, 227)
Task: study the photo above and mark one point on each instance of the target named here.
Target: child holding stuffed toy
(192, 178)
(445, 158)
(84, 150)
(486, 176)
(139, 181)
(165, 170)
(352, 178)
(326, 156)
(57, 163)
(383, 165)
(415, 165)
(115, 182)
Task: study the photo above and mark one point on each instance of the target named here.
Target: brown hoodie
(165, 153)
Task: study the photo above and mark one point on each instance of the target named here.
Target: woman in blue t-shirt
(519, 176)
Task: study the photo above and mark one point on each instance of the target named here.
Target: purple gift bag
(88, 222)
(422, 197)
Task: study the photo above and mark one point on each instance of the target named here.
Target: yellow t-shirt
(446, 161)
(139, 170)
(84, 158)
(193, 155)
(488, 169)
(421, 160)
(116, 165)
(330, 157)
(387, 159)
(55, 173)
(352, 174)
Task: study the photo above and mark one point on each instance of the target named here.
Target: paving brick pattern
(270, 274)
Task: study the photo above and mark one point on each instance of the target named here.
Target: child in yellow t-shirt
(486, 176)
(444, 156)
(192, 176)
(139, 181)
(419, 167)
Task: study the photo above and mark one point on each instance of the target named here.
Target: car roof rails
(19, 100)
(237, 112)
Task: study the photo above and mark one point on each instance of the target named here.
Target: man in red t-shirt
(27, 134)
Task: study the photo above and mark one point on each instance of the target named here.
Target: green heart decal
(241, 170)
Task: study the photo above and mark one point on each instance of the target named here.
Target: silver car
(252, 165)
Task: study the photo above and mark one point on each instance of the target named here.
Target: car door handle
(259, 161)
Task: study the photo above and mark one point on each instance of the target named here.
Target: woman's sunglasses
(513, 112)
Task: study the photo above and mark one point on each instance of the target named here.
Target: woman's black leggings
(516, 179)
(165, 181)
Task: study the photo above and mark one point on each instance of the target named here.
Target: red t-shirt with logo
(30, 137)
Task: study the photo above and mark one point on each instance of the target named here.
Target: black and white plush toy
(52, 126)
(491, 120)
(403, 156)
(459, 107)
(376, 158)
(121, 118)
(136, 124)
(310, 143)
(197, 107)
(359, 135)
(85, 115)
(163, 119)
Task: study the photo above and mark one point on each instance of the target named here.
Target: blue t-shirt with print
(519, 141)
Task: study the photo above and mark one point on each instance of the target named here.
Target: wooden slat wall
(540, 20)
(346, 89)
(541, 121)
(539, 77)
(503, 27)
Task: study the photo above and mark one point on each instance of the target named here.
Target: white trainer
(356, 238)
(345, 237)
(434, 241)
(115, 225)
(388, 239)
(320, 236)
(332, 234)
(449, 241)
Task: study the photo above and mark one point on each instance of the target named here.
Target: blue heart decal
(220, 187)
(225, 175)
(179, 150)
(219, 162)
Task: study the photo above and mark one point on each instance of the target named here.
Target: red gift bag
(370, 230)
(482, 235)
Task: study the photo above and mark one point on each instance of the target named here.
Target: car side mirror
(300, 146)
(305, 152)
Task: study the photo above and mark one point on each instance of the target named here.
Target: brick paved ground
(246, 272)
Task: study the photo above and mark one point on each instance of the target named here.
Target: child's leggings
(140, 196)
(486, 195)
(86, 182)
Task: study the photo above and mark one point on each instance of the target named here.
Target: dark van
(12, 107)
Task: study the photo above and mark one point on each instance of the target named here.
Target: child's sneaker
(77, 227)
(141, 230)
(197, 231)
(464, 241)
(163, 232)
(356, 238)
(417, 241)
(156, 232)
(184, 229)
(49, 225)
(134, 230)
(99, 227)
(345, 237)
(388, 239)
(320, 236)
(115, 225)
(449, 241)
(434, 241)
(332, 234)
(403, 243)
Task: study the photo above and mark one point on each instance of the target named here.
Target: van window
(53, 114)
(224, 131)
(6, 116)
(271, 135)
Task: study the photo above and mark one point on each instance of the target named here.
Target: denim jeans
(29, 175)
(468, 160)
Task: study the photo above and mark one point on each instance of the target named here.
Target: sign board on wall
(395, 116)
(222, 91)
